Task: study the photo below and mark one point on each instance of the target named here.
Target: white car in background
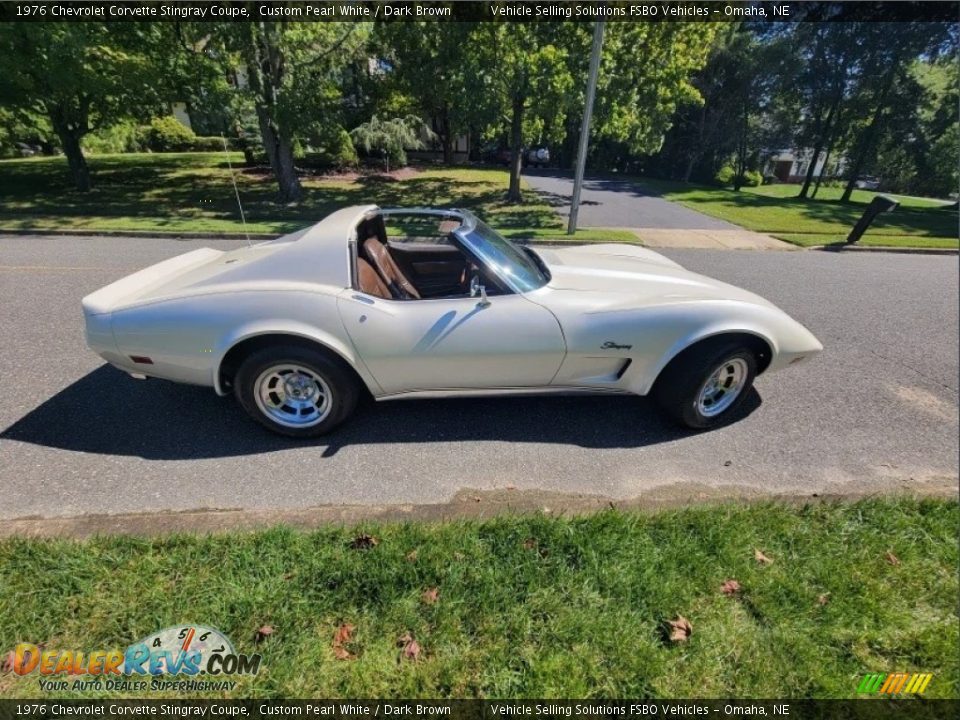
(426, 303)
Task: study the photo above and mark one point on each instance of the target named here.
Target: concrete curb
(882, 249)
(260, 237)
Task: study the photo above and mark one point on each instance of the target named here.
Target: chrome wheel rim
(722, 387)
(293, 395)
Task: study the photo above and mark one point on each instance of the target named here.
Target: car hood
(627, 274)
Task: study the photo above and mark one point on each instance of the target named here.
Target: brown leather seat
(400, 287)
(369, 282)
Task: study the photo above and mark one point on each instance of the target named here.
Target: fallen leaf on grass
(680, 629)
(761, 558)
(263, 633)
(410, 647)
(823, 599)
(412, 556)
(892, 559)
(730, 587)
(341, 637)
(431, 595)
(364, 542)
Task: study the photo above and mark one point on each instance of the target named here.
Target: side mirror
(476, 288)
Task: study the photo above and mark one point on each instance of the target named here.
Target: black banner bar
(879, 708)
(484, 11)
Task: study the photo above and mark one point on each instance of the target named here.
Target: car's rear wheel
(295, 391)
(704, 386)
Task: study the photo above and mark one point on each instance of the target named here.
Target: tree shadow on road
(107, 413)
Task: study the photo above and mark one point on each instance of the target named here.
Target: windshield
(509, 262)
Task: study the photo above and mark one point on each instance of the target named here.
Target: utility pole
(585, 125)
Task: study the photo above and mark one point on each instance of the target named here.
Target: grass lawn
(527, 606)
(775, 210)
(192, 192)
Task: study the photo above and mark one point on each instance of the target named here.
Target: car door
(453, 343)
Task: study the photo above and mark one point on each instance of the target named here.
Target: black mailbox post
(879, 204)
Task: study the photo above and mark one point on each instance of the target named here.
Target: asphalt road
(877, 410)
(618, 203)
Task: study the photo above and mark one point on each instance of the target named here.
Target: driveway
(618, 203)
(659, 223)
(877, 411)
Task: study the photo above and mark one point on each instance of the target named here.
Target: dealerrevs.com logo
(185, 650)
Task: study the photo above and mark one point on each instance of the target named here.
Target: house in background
(791, 166)
(181, 113)
(433, 150)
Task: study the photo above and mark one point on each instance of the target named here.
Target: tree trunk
(75, 159)
(447, 136)
(870, 134)
(741, 151)
(832, 140)
(265, 70)
(516, 156)
(822, 139)
(279, 152)
(71, 131)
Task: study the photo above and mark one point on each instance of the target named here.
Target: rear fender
(286, 327)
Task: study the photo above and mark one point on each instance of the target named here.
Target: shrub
(724, 175)
(752, 178)
(390, 139)
(167, 134)
(335, 149)
(120, 138)
(207, 143)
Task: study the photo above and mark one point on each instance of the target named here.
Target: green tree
(392, 137)
(936, 145)
(645, 74)
(888, 89)
(524, 76)
(293, 72)
(80, 76)
(429, 63)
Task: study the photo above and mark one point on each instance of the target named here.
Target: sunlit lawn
(527, 606)
(775, 210)
(192, 192)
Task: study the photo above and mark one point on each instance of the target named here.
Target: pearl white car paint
(609, 320)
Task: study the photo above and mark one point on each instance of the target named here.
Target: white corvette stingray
(415, 303)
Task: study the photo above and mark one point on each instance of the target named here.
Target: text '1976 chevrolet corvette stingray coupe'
(426, 303)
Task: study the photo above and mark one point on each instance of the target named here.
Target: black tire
(678, 388)
(341, 386)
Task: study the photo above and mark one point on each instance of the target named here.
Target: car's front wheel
(295, 391)
(702, 388)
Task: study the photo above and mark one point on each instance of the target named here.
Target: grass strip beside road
(775, 210)
(526, 606)
(192, 192)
